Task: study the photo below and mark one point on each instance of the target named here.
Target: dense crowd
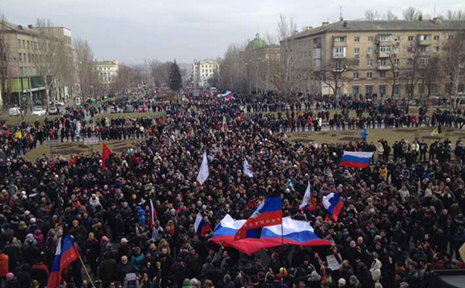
(402, 216)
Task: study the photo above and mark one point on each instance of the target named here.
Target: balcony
(339, 56)
(339, 44)
(384, 67)
(382, 54)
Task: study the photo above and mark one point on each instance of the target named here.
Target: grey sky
(186, 29)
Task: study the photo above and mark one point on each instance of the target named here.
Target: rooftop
(106, 63)
(384, 25)
(256, 43)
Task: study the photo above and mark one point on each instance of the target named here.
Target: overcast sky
(128, 30)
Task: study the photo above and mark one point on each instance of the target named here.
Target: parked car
(61, 108)
(129, 109)
(52, 110)
(115, 109)
(14, 111)
(38, 111)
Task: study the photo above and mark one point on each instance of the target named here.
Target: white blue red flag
(153, 215)
(201, 226)
(203, 171)
(66, 253)
(247, 170)
(356, 159)
(292, 232)
(309, 202)
(269, 213)
(333, 203)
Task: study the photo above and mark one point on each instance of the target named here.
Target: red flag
(106, 152)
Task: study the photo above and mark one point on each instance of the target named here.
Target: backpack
(130, 281)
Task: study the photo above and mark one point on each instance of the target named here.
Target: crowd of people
(402, 217)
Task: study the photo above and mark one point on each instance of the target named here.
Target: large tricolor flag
(291, 232)
(356, 159)
(66, 253)
(247, 170)
(227, 95)
(201, 226)
(269, 213)
(106, 152)
(309, 202)
(333, 203)
(203, 171)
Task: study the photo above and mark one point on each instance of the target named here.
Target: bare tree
(5, 83)
(371, 15)
(390, 16)
(233, 69)
(127, 77)
(453, 64)
(51, 57)
(393, 79)
(334, 73)
(412, 14)
(455, 15)
(429, 76)
(87, 75)
(160, 72)
(411, 73)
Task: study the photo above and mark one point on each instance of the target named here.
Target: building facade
(107, 71)
(382, 58)
(25, 64)
(203, 70)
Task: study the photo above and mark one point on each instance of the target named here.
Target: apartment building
(24, 63)
(203, 70)
(107, 71)
(369, 57)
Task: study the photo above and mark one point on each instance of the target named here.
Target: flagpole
(87, 272)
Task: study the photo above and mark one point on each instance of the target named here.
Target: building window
(396, 74)
(357, 51)
(411, 49)
(409, 62)
(384, 38)
(369, 50)
(423, 48)
(369, 62)
(355, 90)
(357, 62)
(20, 57)
(357, 39)
(369, 90)
(382, 90)
(385, 49)
(396, 89)
(371, 39)
(382, 74)
(436, 37)
(24, 44)
(423, 61)
(410, 38)
(19, 43)
(339, 52)
(397, 38)
(355, 75)
(339, 39)
(425, 37)
(396, 62)
(369, 75)
(436, 48)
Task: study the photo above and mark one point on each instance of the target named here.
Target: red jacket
(3, 265)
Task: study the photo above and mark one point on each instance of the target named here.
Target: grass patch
(68, 148)
(391, 135)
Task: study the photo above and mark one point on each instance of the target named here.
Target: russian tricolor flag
(291, 232)
(333, 203)
(227, 95)
(65, 254)
(269, 213)
(201, 226)
(356, 159)
(308, 202)
(153, 215)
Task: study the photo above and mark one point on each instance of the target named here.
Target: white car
(14, 111)
(38, 111)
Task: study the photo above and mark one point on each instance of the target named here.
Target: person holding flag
(247, 172)
(201, 226)
(106, 152)
(203, 171)
(269, 213)
(66, 253)
(309, 202)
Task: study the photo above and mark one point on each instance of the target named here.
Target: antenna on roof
(434, 13)
(340, 13)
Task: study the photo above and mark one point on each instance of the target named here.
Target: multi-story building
(203, 70)
(380, 58)
(25, 63)
(107, 71)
